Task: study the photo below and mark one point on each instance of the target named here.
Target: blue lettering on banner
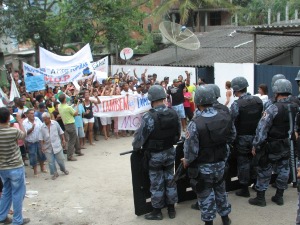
(143, 102)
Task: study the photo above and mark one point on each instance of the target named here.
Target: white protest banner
(64, 75)
(161, 71)
(115, 106)
(51, 60)
(129, 122)
(13, 90)
(34, 78)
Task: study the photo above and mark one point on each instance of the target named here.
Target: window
(215, 18)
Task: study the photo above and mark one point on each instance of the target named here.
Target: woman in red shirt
(187, 104)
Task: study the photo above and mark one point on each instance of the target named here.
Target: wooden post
(287, 13)
(205, 22)
(198, 22)
(254, 49)
(269, 16)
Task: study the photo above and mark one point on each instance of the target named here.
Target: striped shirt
(10, 155)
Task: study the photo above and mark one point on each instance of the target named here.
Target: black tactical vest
(218, 106)
(213, 135)
(250, 111)
(165, 133)
(281, 125)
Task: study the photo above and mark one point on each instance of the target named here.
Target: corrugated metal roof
(284, 26)
(223, 46)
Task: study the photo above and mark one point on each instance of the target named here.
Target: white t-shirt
(264, 98)
(128, 92)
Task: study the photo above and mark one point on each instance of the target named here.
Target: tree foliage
(53, 23)
(256, 11)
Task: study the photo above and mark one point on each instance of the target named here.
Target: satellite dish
(126, 53)
(179, 35)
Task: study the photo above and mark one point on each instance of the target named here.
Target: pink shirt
(20, 141)
(187, 102)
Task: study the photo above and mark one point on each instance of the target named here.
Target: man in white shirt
(32, 126)
(125, 89)
(52, 138)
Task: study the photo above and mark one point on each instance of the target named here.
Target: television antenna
(179, 35)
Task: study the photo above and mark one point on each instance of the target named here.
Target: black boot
(209, 222)
(171, 211)
(259, 200)
(154, 215)
(226, 220)
(278, 198)
(195, 206)
(274, 185)
(244, 192)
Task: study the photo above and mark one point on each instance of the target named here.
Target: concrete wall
(292, 58)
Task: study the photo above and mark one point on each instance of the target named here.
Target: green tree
(53, 23)
(256, 11)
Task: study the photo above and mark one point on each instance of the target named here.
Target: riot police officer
(245, 112)
(272, 99)
(159, 130)
(205, 152)
(217, 105)
(272, 144)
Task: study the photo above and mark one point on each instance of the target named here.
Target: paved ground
(98, 192)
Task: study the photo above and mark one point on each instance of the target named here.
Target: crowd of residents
(49, 124)
(69, 110)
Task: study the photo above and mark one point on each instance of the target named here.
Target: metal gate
(263, 75)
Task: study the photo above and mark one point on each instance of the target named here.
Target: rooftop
(224, 46)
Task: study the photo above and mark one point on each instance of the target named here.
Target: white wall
(227, 71)
(161, 71)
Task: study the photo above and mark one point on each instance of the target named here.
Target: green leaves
(256, 11)
(64, 21)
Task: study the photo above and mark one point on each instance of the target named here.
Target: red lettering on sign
(66, 77)
(95, 108)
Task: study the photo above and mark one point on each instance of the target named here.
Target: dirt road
(98, 191)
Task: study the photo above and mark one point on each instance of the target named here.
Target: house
(230, 45)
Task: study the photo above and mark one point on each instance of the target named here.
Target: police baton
(125, 153)
(292, 152)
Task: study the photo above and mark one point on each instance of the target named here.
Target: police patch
(264, 115)
(187, 135)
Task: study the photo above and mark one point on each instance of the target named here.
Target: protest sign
(65, 75)
(51, 60)
(34, 83)
(101, 65)
(62, 75)
(34, 78)
(129, 122)
(115, 106)
(101, 69)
